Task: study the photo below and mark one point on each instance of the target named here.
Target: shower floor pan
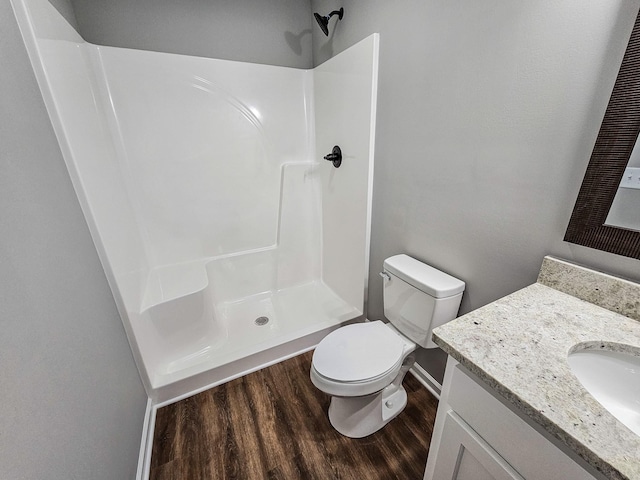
(252, 333)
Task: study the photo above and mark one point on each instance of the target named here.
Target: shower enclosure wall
(204, 187)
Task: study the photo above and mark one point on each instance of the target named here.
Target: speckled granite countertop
(519, 346)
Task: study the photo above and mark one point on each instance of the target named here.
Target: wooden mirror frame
(616, 139)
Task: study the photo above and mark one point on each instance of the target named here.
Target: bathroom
(486, 118)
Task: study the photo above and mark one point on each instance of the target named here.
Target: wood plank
(273, 424)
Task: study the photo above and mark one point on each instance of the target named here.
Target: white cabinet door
(477, 436)
(464, 455)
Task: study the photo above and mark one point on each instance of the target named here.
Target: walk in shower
(228, 242)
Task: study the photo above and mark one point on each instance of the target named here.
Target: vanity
(515, 402)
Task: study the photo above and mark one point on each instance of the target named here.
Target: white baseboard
(146, 442)
(427, 380)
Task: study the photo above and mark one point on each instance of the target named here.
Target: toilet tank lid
(424, 277)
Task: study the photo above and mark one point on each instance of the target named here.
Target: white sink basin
(613, 378)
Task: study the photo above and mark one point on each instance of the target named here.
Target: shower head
(324, 21)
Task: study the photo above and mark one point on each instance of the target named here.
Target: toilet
(362, 365)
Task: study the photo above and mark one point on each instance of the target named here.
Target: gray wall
(485, 126)
(257, 31)
(72, 403)
(66, 10)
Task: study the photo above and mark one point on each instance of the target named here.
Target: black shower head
(324, 21)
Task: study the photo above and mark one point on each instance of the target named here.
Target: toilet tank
(418, 297)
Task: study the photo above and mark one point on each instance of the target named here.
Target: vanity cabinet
(477, 436)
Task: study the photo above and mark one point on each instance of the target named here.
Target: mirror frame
(616, 139)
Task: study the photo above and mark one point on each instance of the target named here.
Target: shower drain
(261, 321)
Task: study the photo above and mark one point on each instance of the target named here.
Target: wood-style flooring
(273, 424)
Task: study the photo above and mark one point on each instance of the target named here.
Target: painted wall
(273, 32)
(65, 8)
(487, 115)
(72, 400)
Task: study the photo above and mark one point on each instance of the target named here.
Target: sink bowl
(613, 379)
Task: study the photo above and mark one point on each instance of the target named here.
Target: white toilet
(362, 365)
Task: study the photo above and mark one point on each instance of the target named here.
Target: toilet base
(358, 417)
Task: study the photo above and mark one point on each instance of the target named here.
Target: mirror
(625, 209)
(615, 143)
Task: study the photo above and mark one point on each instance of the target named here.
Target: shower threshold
(297, 319)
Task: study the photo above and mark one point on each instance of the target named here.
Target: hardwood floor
(273, 424)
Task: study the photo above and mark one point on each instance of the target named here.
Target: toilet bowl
(362, 365)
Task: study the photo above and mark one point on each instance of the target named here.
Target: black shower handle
(335, 156)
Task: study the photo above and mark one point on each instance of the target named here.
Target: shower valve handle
(335, 156)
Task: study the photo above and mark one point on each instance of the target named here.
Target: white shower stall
(228, 242)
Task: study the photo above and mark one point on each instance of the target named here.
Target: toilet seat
(358, 352)
(359, 359)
